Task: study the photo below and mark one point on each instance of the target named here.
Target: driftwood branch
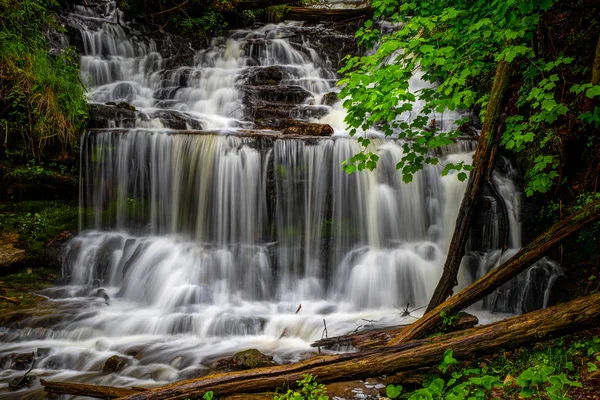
(503, 273)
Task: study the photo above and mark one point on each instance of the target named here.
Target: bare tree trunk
(588, 104)
(482, 162)
(503, 273)
(575, 315)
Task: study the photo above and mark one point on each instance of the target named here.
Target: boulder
(308, 129)
(246, 359)
(101, 116)
(115, 364)
(329, 98)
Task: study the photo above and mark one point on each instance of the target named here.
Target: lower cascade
(213, 237)
(195, 246)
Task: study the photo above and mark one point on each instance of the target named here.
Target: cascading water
(195, 245)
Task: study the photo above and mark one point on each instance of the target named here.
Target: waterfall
(201, 236)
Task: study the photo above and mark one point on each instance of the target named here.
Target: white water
(195, 246)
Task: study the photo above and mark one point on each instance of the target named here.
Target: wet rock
(18, 361)
(298, 127)
(125, 105)
(274, 95)
(43, 352)
(177, 120)
(246, 359)
(107, 116)
(135, 352)
(308, 129)
(21, 381)
(263, 76)
(22, 362)
(330, 98)
(115, 364)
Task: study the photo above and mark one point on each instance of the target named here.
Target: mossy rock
(330, 98)
(246, 359)
(126, 106)
(115, 364)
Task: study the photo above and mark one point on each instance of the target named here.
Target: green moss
(23, 285)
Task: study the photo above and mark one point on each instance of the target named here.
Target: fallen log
(503, 273)
(483, 161)
(380, 337)
(10, 300)
(309, 14)
(578, 314)
(80, 389)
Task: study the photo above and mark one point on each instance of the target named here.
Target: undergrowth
(544, 372)
(37, 222)
(41, 96)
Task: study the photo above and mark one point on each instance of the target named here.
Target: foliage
(308, 389)
(38, 222)
(210, 23)
(544, 371)
(537, 376)
(472, 383)
(457, 45)
(40, 93)
(208, 396)
(448, 319)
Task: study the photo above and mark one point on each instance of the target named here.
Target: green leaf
(593, 91)
(392, 391)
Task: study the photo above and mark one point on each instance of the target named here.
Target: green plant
(308, 389)
(472, 383)
(38, 222)
(448, 319)
(208, 396)
(556, 385)
(457, 46)
(393, 391)
(41, 96)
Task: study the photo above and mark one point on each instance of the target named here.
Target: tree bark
(482, 163)
(503, 273)
(589, 104)
(79, 389)
(577, 314)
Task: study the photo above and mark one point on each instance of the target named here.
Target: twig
(170, 9)
(324, 334)
(28, 371)
(10, 300)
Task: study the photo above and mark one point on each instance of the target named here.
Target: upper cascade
(275, 71)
